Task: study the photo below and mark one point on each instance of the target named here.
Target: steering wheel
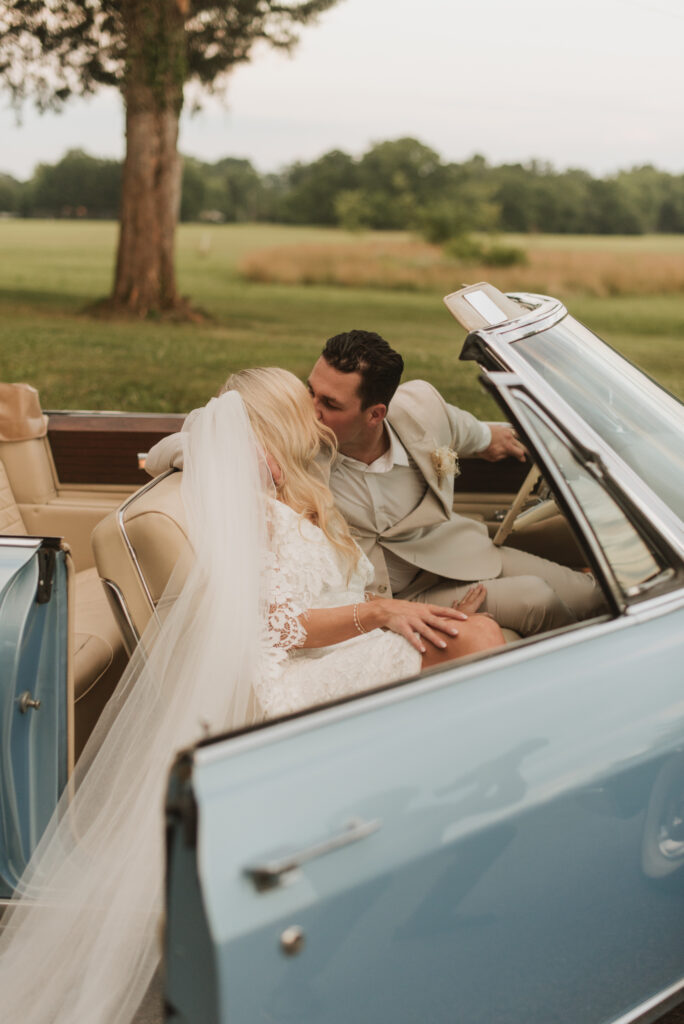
(526, 488)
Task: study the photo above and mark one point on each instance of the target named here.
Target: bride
(270, 619)
(327, 640)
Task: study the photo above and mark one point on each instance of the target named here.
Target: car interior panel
(103, 449)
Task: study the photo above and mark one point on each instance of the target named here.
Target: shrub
(467, 249)
(504, 256)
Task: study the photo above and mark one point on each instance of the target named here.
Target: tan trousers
(530, 595)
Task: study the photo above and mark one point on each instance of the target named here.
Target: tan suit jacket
(431, 537)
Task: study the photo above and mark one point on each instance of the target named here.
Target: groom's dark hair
(366, 353)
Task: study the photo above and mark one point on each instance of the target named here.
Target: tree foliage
(447, 200)
(150, 50)
(309, 191)
(77, 185)
(51, 51)
(11, 193)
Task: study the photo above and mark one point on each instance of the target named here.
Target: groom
(393, 480)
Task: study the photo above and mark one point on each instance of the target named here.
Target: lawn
(50, 271)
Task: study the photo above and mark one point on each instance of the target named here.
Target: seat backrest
(136, 549)
(24, 447)
(10, 517)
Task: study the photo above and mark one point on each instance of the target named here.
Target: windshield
(640, 421)
(632, 562)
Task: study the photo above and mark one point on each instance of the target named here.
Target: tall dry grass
(415, 265)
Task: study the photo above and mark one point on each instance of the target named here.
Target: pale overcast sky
(597, 84)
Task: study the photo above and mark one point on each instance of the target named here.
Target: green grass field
(50, 271)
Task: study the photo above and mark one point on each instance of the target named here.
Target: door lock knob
(293, 940)
(26, 701)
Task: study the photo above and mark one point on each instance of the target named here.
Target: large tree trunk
(145, 269)
(145, 279)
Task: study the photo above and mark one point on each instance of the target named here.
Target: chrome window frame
(621, 598)
(116, 598)
(499, 341)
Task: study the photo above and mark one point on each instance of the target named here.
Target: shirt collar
(396, 455)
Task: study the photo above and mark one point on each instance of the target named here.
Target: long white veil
(81, 943)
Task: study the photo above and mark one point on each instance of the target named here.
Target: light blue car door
(498, 841)
(34, 707)
(520, 862)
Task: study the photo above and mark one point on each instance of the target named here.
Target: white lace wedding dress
(306, 573)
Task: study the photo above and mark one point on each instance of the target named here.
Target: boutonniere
(444, 462)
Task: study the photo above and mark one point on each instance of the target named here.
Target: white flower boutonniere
(445, 463)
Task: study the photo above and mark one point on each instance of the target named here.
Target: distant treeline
(401, 184)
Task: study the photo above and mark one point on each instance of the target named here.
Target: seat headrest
(21, 417)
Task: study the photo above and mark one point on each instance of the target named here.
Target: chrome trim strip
(114, 412)
(8, 541)
(122, 527)
(652, 607)
(120, 608)
(652, 1009)
(546, 312)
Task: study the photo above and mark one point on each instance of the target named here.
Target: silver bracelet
(359, 627)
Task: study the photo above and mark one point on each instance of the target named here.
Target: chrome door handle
(273, 873)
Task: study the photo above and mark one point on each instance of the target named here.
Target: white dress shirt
(367, 488)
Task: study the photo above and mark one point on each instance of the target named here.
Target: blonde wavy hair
(285, 425)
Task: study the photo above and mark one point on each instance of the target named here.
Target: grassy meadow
(270, 301)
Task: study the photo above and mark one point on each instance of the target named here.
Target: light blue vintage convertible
(500, 840)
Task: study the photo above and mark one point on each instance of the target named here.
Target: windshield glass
(640, 421)
(632, 562)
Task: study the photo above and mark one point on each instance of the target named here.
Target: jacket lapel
(420, 445)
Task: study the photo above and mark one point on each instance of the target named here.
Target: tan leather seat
(136, 549)
(11, 523)
(98, 653)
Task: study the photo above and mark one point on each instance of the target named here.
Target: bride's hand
(417, 622)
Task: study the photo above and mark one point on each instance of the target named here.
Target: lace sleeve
(285, 629)
(302, 573)
(293, 580)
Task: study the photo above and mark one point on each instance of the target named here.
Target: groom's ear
(376, 414)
